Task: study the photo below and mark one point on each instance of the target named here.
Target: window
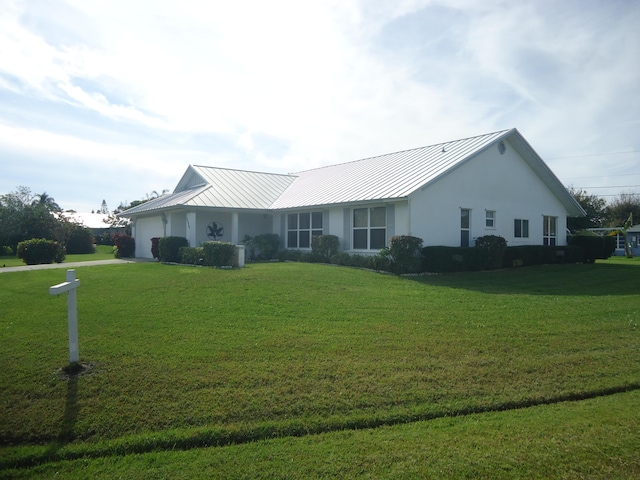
(521, 228)
(301, 227)
(369, 228)
(549, 230)
(465, 227)
(490, 219)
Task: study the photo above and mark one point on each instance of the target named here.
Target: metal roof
(203, 186)
(394, 175)
(385, 177)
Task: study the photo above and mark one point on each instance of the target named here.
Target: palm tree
(47, 201)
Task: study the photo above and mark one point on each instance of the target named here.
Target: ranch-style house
(447, 194)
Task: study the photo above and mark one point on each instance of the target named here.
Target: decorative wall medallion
(502, 147)
(215, 230)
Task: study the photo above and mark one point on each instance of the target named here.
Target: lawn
(298, 361)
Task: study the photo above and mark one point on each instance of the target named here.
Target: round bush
(40, 250)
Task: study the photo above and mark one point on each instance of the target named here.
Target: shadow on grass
(220, 437)
(571, 280)
(71, 409)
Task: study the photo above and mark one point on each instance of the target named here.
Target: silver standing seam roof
(384, 177)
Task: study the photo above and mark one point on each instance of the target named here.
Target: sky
(113, 99)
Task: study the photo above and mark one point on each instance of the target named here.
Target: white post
(70, 287)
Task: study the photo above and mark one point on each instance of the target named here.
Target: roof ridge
(406, 150)
(244, 170)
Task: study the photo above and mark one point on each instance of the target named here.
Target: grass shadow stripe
(221, 437)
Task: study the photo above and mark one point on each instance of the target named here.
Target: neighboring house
(446, 194)
(96, 222)
(633, 239)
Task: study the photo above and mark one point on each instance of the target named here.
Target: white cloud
(287, 85)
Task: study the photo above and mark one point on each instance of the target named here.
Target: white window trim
(493, 219)
(311, 228)
(368, 228)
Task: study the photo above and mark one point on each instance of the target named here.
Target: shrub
(495, 247)
(80, 240)
(528, 255)
(325, 246)
(191, 255)
(341, 258)
(454, 259)
(268, 245)
(125, 245)
(106, 238)
(595, 247)
(404, 254)
(40, 250)
(262, 247)
(218, 254)
(155, 244)
(169, 248)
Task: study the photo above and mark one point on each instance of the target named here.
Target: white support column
(191, 229)
(234, 228)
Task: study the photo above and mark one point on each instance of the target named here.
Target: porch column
(190, 233)
(234, 228)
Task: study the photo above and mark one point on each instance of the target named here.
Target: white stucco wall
(491, 181)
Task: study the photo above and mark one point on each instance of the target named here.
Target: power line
(600, 176)
(615, 186)
(595, 155)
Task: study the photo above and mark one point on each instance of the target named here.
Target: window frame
(369, 233)
(549, 230)
(491, 219)
(465, 232)
(301, 231)
(524, 227)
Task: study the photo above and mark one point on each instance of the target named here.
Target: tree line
(25, 215)
(603, 214)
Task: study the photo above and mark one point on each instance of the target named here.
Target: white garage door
(146, 229)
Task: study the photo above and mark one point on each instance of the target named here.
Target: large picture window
(369, 228)
(301, 227)
(549, 230)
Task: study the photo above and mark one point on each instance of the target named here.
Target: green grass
(184, 357)
(103, 252)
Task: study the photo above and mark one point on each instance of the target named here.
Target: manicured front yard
(187, 357)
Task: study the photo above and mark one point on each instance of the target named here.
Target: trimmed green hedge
(527, 255)
(191, 255)
(80, 240)
(262, 247)
(40, 250)
(169, 248)
(219, 254)
(594, 246)
(405, 254)
(454, 259)
(325, 246)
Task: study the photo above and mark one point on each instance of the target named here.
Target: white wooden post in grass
(70, 287)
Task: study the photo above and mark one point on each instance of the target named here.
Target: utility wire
(595, 155)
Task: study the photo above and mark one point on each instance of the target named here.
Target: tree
(103, 208)
(619, 209)
(46, 201)
(595, 208)
(24, 216)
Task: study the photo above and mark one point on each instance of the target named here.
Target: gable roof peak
(415, 149)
